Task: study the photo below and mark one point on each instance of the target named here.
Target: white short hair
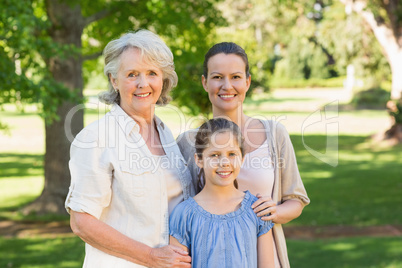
(152, 48)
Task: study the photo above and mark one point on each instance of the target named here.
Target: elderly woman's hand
(169, 256)
(265, 208)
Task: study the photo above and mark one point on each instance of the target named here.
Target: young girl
(218, 226)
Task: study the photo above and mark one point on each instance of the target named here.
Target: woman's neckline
(258, 148)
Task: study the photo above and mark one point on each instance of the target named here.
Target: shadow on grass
(20, 165)
(347, 252)
(362, 190)
(23, 200)
(42, 252)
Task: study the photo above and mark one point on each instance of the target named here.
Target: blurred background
(329, 70)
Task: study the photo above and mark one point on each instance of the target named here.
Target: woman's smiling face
(139, 83)
(227, 83)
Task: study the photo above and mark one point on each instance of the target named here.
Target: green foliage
(24, 50)
(350, 41)
(252, 25)
(372, 98)
(25, 41)
(303, 56)
(325, 41)
(184, 25)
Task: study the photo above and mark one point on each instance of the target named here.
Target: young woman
(270, 167)
(218, 226)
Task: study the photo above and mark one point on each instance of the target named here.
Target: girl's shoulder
(185, 208)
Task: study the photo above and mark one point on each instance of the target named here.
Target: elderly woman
(127, 173)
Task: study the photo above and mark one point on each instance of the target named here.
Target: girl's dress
(228, 240)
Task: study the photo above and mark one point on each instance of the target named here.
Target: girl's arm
(107, 239)
(265, 250)
(175, 242)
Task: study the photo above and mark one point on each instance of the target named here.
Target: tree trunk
(68, 25)
(396, 68)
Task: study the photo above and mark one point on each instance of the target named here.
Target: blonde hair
(152, 48)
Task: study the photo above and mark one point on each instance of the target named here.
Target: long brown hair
(203, 139)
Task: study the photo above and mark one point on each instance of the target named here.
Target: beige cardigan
(287, 182)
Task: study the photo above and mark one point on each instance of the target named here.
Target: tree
(385, 19)
(350, 41)
(45, 43)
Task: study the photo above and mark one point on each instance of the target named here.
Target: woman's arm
(107, 239)
(265, 250)
(283, 213)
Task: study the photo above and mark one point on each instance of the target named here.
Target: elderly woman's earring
(116, 90)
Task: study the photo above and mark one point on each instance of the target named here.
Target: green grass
(21, 181)
(329, 253)
(62, 252)
(356, 252)
(363, 189)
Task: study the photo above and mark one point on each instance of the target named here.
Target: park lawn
(60, 252)
(353, 252)
(362, 189)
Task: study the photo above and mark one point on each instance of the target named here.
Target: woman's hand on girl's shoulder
(265, 208)
(169, 256)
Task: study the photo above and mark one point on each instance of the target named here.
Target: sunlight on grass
(362, 190)
(340, 247)
(318, 175)
(15, 191)
(356, 252)
(66, 252)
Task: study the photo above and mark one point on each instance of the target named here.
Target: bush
(395, 110)
(371, 98)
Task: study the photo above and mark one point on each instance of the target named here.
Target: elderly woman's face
(139, 82)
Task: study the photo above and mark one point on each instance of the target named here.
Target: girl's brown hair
(203, 139)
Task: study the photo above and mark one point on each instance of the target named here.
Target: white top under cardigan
(257, 176)
(287, 182)
(115, 178)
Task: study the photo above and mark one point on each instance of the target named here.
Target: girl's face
(139, 82)
(226, 83)
(221, 160)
